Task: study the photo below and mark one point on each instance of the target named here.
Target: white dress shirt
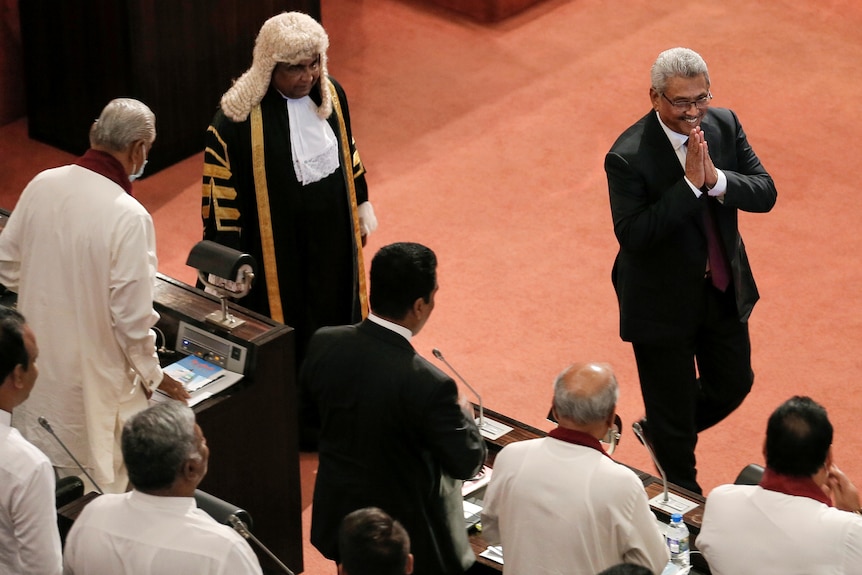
(29, 540)
(138, 534)
(750, 530)
(560, 508)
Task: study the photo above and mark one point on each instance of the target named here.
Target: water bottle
(677, 541)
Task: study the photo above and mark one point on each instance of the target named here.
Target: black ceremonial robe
(309, 274)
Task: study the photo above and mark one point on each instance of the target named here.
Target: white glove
(367, 219)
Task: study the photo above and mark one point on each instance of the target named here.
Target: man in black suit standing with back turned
(393, 433)
(677, 179)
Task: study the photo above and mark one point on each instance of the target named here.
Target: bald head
(585, 394)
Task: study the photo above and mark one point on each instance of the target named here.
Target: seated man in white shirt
(803, 517)
(157, 528)
(371, 542)
(29, 540)
(560, 504)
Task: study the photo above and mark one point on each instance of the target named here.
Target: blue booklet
(201, 378)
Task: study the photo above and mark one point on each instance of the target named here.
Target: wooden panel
(12, 104)
(177, 57)
(486, 10)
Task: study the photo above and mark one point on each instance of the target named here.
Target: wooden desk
(652, 485)
(251, 428)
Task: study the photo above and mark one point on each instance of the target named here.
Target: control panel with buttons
(213, 348)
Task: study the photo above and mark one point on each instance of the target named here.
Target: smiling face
(679, 89)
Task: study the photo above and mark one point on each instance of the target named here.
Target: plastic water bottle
(677, 541)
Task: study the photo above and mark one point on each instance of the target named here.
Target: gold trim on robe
(351, 189)
(264, 215)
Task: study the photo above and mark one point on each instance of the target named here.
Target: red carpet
(486, 142)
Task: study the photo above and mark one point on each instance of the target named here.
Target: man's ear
(418, 305)
(654, 97)
(136, 153)
(408, 567)
(17, 376)
(611, 416)
(194, 469)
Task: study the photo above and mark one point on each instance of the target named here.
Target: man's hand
(466, 407)
(173, 388)
(841, 489)
(710, 174)
(694, 158)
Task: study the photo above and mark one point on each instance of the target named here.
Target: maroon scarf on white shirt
(107, 165)
(789, 485)
(578, 438)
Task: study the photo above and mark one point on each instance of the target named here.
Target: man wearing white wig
(283, 182)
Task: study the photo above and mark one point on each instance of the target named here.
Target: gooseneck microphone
(241, 528)
(44, 423)
(439, 356)
(636, 427)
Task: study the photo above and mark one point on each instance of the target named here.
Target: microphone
(241, 528)
(636, 427)
(667, 502)
(44, 423)
(439, 356)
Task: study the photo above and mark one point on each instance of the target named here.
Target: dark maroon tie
(718, 267)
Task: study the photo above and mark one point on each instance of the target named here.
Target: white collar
(391, 326)
(5, 418)
(180, 504)
(676, 139)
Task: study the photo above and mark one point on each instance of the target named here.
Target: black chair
(750, 475)
(220, 509)
(67, 490)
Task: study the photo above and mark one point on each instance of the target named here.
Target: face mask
(140, 172)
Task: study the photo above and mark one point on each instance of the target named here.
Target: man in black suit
(393, 434)
(677, 178)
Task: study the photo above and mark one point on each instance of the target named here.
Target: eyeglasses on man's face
(685, 105)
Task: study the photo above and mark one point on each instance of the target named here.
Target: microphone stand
(636, 427)
(439, 356)
(44, 423)
(241, 528)
(667, 502)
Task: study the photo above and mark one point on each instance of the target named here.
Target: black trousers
(692, 384)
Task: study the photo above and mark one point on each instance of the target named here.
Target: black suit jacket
(391, 425)
(658, 222)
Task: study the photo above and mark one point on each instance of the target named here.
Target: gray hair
(157, 442)
(580, 408)
(123, 122)
(677, 62)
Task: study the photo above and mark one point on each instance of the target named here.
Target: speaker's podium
(250, 428)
